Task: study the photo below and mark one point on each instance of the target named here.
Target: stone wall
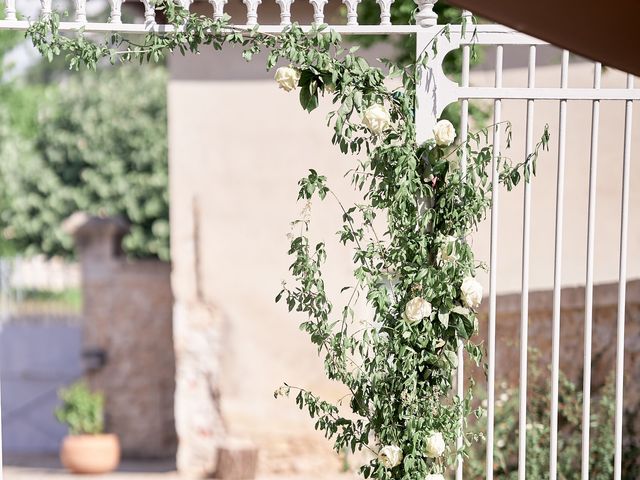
(605, 302)
(127, 337)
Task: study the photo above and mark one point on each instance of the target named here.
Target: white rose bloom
(417, 309)
(390, 456)
(444, 133)
(376, 118)
(435, 445)
(287, 78)
(471, 292)
(434, 476)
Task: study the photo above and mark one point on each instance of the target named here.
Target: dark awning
(606, 32)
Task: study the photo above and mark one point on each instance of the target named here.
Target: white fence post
(425, 117)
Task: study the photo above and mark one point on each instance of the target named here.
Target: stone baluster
(10, 9)
(81, 10)
(352, 11)
(46, 9)
(252, 11)
(385, 11)
(318, 11)
(116, 11)
(218, 8)
(285, 11)
(149, 12)
(426, 17)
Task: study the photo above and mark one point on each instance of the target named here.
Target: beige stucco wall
(237, 149)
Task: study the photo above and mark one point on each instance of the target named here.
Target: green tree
(99, 145)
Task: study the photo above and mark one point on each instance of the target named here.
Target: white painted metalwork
(622, 283)
(464, 134)
(588, 316)
(524, 302)
(557, 272)
(493, 262)
(435, 92)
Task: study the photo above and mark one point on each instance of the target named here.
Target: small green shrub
(82, 410)
(505, 465)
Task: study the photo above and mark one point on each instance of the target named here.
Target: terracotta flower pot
(90, 454)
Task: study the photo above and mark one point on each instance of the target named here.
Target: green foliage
(418, 200)
(99, 145)
(69, 299)
(8, 40)
(538, 432)
(81, 410)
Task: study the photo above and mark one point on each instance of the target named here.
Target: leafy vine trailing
(412, 266)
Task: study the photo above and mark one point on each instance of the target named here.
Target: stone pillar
(127, 336)
(197, 325)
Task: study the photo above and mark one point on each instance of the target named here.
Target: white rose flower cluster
(390, 456)
(287, 78)
(376, 118)
(435, 445)
(471, 292)
(417, 308)
(444, 133)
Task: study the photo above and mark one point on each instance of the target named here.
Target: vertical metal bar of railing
(464, 130)
(524, 301)
(622, 283)
(588, 302)
(557, 273)
(493, 262)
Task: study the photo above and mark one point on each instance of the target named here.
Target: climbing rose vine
(412, 267)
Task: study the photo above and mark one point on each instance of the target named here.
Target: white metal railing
(439, 91)
(435, 93)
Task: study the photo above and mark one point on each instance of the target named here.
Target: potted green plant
(86, 449)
